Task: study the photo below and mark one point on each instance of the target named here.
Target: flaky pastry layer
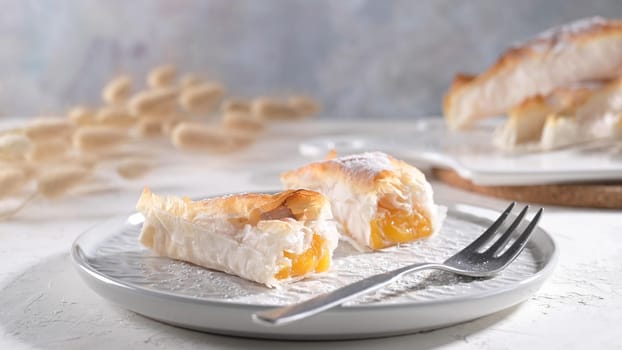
(254, 236)
(358, 185)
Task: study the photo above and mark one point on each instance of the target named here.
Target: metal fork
(476, 260)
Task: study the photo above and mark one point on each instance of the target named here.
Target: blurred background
(362, 59)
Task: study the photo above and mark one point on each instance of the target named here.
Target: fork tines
(489, 248)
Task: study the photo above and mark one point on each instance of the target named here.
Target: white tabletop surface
(44, 304)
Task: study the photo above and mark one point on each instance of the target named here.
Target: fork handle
(291, 313)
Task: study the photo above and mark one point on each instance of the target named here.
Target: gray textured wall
(363, 59)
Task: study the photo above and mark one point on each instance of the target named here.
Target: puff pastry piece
(265, 238)
(568, 116)
(378, 201)
(597, 118)
(526, 121)
(584, 50)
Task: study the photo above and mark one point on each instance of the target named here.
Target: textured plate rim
(80, 261)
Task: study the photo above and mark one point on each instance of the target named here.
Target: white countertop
(44, 304)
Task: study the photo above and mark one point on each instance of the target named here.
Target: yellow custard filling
(314, 259)
(391, 227)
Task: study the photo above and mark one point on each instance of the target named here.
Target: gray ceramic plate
(113, 263)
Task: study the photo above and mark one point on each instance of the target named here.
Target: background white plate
(111, 261)
(472, 155)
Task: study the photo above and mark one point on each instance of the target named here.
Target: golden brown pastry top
(366, 172)
(245, 208)
(577, 32)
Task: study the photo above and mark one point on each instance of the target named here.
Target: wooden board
(591, 195)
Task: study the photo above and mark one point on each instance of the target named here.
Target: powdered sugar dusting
(367, 164)
(557, 37)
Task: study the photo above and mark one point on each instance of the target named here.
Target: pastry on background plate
(379, 201)
(526, 121)
(265, 238)
(585, 50)
(560, 89)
